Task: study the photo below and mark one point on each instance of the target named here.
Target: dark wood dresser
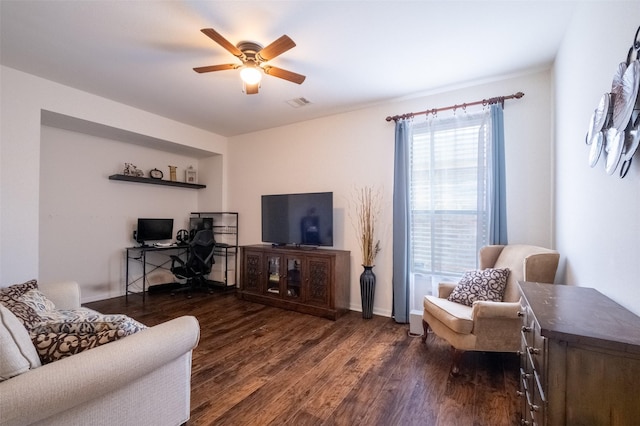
(580, 358)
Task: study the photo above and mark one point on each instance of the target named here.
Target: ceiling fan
(253, 57)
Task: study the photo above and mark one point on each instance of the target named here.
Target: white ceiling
(354, 53)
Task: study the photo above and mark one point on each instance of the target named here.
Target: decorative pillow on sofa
(11, 296)
(60, 333)
(17, 290)
(55, 346)
(26, 314)
(486, 284)
(37, 300)
(84, 321)
(63, 333)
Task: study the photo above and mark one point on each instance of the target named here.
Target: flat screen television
(298, 219)
(154, 230)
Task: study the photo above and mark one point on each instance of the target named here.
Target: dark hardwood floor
(258, 365)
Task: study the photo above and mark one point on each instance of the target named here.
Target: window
(448, 185)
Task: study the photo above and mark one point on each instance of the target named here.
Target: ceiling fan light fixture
(253, 56)
(251, 74)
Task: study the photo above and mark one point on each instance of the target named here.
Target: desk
(140, 254)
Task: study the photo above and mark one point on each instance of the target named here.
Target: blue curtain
(498, 219)
(401, 223)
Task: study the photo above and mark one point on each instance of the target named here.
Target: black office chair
(199, 263)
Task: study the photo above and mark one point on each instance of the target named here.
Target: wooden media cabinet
(309, 280)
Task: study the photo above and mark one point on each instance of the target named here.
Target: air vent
(298, 102)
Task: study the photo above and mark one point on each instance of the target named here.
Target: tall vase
(367, 291)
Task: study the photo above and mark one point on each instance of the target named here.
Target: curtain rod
(434, 111)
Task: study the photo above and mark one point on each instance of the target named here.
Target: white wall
(86, 219)
(598, 216)
(24, 98)
(339, 152)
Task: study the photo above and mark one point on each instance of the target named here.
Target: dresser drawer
(532, 393)
(532, 363)
(531, 412)
(537, 349)
(527, 333)
(538, 403)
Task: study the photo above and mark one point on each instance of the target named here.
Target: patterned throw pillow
(57, 334)
(11, 296)
(17, 290)
(38, 301)
(26, 314)
(485, 284)
(62, 333)
(55, 346)
(84, 321)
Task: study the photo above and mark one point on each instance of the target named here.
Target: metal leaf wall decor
(614, 128)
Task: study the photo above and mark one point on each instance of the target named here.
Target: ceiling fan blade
(215, 36)
(211, 68)
(276, 48)
(251, 89)
(284, 74)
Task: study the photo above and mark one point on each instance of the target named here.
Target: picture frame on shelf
(191, 175)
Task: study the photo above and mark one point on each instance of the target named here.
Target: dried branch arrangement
(367, 208)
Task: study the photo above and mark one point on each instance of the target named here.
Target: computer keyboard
(163, 244)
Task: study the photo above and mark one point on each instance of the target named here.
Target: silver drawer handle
(534, 351)
(532, 407)
(520, 314)
(526, 329)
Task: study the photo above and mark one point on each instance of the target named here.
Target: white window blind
(447, 188)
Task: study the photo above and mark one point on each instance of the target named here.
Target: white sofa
(141, 379)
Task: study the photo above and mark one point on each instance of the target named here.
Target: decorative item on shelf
(191, 175)
(172, 174)
(155, 174)
(131, 170)
(367, 209)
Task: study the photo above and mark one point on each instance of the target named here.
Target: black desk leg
(144, 274)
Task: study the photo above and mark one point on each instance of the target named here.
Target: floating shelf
(156, 181)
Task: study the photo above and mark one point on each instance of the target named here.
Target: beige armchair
(489, 326)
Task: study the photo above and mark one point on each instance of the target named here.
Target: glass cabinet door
(294, 278)
(274, 274)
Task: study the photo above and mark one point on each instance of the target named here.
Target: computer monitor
(154, 230)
